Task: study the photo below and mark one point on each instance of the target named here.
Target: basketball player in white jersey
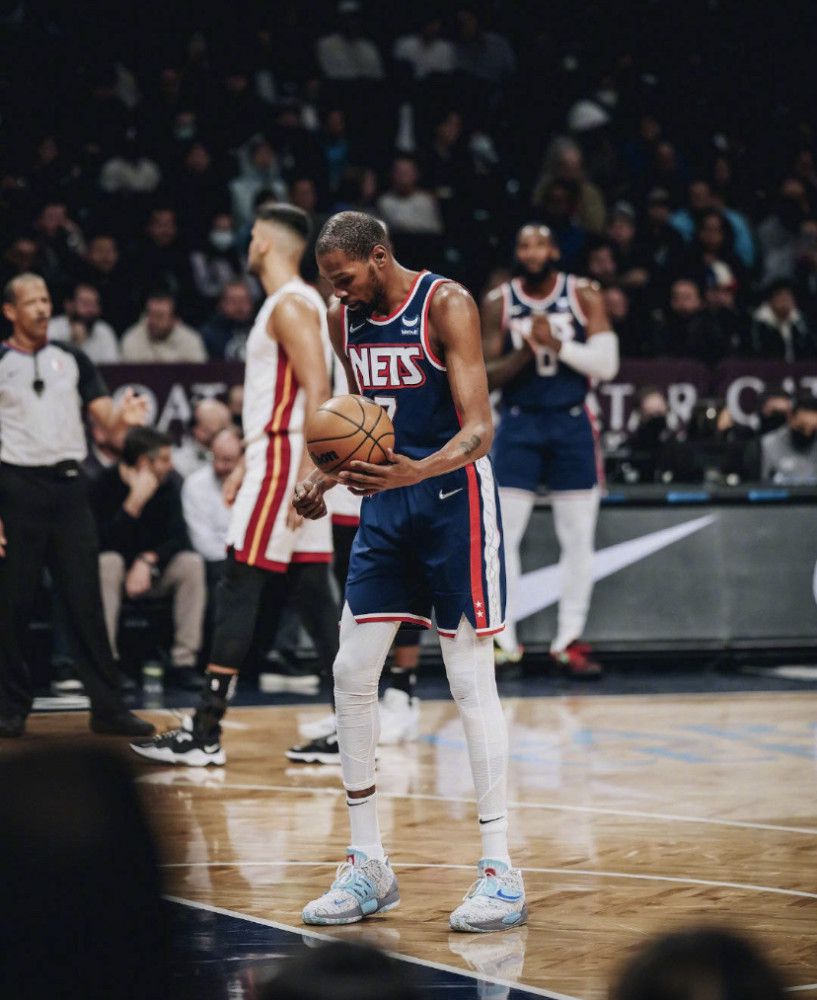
(286, 376)
(545, 336)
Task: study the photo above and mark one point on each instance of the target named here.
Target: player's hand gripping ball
(347, 429)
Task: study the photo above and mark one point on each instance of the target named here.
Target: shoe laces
(352, 880)
(485, 885)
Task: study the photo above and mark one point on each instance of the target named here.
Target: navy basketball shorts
(432, 547)
(557, 448)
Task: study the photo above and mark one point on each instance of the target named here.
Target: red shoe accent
(575, 662)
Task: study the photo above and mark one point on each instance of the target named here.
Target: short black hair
(805, 400)
(293, 218)
(160, 295)
(142, 441)
(354, 233)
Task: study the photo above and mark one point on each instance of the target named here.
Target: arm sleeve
(598, 358)
(91, 384)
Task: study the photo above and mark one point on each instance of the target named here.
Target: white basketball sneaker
(495, 902)
(319, 728)
(399, 717)
(363, 886)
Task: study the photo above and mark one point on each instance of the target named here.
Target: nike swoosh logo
(445, 496)
(501, 894)
(211, 749)
(543, 587)
(354, 329)
(411, 322)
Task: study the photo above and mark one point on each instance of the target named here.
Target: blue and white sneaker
(363, 886)
(495, 902)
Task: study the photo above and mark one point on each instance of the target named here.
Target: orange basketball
(346, 429)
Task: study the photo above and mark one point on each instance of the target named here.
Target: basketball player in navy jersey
(429, 539)
(545, 335)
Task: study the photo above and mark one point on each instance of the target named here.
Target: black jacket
(160, 528)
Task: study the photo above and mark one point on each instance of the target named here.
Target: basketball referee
(45, 518)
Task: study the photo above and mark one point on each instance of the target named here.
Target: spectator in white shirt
(160, 336)
(82, 326)
(404, 207)
(205, 513)
(426, 52)
(346, 54)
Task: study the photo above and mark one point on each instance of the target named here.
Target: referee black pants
(48, 522)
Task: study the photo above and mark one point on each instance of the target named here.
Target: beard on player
(534, 275)
(371, 297)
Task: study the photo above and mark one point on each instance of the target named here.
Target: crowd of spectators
(132, 158)
(130, 168)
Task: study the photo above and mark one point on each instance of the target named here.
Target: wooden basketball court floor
(630, 815)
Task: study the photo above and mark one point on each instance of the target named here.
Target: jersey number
(389, 404)
(547, 363)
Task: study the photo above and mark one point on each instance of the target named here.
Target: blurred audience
(81, 325)
(210, 417)
(225, 332)
(160, 336)
(145, 549)
(779, 329)
(75, 834)
(698, 963)
(789, 454)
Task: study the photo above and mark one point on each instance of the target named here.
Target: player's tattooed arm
(471, 445)
(501, 368)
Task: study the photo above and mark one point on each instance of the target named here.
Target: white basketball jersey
(273, 400)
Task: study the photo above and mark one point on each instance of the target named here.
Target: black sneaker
(182, 746)
(122, 723)
(323, 750)
(65, 680)
(281, 677)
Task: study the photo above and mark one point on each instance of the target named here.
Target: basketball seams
(367, 434)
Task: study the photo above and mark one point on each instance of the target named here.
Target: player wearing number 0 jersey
(546, 335)
(429, 539)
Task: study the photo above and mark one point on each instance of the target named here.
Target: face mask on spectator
(185, 131)
(800, 440)
(772, 422)
(222, 239)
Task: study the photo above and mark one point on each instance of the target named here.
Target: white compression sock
(365, 834)
(516, 506)
(358, 665)
(574, 518)
(469, 664)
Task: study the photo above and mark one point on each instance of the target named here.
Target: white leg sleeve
(358, 665)
(574, 517)
(516, 506)
(469, 664)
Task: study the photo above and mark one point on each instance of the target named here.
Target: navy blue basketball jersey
(395, 366)
(549, 385)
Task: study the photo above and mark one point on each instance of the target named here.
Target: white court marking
(588, 872)
(303, 932)
(551, 806)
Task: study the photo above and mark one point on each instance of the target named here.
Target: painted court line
(550, 806)
(304, 932)
(587, 872)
